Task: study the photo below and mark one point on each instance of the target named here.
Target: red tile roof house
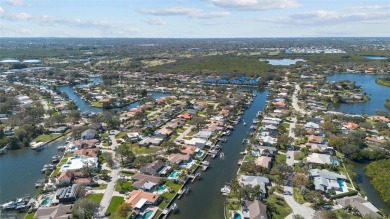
(138, 199)
(186, 116)
(86, 143)
(92, 152)
(264, 162)
(65, 178)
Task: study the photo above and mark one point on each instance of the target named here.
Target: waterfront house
(68, 194)
(76, 163)
(86, 143)
(153, 168)
(145, 182)
(89, 134)
(198, 142)
(264, 161)
(203, 134)
(324, 180)
(365, 208)
(54, 212)
(265, 150)
(253, 181)
(91, 152)
(320, 148)
(65, 178)
(138, 199)
(254, 209)
(178, 158)
(189, 150)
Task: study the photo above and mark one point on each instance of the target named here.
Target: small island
(385, 81)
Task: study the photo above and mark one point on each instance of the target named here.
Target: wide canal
(205, 199)
(377, 94)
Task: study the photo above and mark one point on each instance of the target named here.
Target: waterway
(365, 185)
(20, 169)
(283, 62)
(377, 94)
(205, 199)
(84, 106)
(376, 57)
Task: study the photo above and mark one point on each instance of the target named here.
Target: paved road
(297, 208)
(114, 175)
(294, 102)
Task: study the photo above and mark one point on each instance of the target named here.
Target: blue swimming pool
(255, 153)
(46, 201)
(237, 216)
(200, 153)
(161, 189)
(341, 183)
(174, 175)
(147, 215)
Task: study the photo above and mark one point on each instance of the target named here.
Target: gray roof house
(263, 149)
(54, 212)
(324, 180)
(89, 134)
(254, 210)
(364, 207)
(254, 181)
(152, 168)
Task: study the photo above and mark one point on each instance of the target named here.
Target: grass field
(145, 150)
(281, 207)
(44, 138)
(96, 198)
(127, 186)
(96, 104)
(116, 201)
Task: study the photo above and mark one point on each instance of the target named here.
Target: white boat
(37, 145)
(244, 123)
(225, 190)
(205, 162)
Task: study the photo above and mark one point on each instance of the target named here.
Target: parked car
(287, 193)
(327, 207)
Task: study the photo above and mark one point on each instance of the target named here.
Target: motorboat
(225, 190)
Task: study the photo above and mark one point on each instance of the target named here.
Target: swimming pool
(200, 153)
(174, 175)
(341, 184)
(147, 215)
(46, 202)
(255, 153)
(160, 190)
(237, 216)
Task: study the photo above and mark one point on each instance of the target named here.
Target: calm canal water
(205, 199)
(20, 169)
(376, 92)
(371, 193)
(84, 106)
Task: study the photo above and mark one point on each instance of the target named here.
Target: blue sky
(194, 18)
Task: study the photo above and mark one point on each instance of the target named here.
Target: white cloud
(51, 21)
(15, 2)
(2, 11)
(155, 21)
(323, 17)
(181, 11)
(370, 7)
(254, 5)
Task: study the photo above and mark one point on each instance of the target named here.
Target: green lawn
(145, 150)
(29, 215)
(286, 125)
(116, 201)
(298, 196)
(158, 213)
(127, 186)
(44, 138)
(281, 208)
(169, 195)
(121, 135)
(96, 104)
(280, 158)
(342, 214)
(95, 197)
(100, 187)
(249, 158)
(126, 173)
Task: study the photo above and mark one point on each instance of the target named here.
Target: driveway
(109, 191)
(183, 134)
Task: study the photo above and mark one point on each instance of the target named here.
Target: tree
(108, 159)
(336, 142)
(84, 208)
(123, 210)
(88, 170)
(283, 141)
(125, 153)
(297, 216)
(300, 180)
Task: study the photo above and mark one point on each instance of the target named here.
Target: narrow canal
(205, 199)
(365, 185)
(20, 169)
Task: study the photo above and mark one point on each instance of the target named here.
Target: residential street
(294, 102)
(297, 208)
